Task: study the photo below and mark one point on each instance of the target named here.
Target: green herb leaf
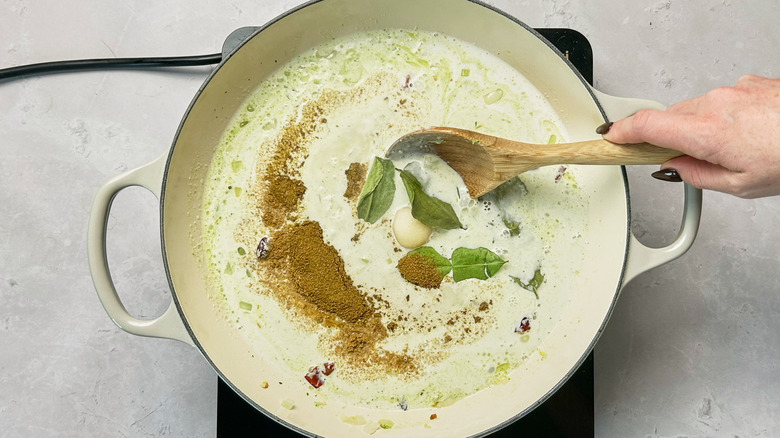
(429, 210)
(411, 184)
(378, 191)
(513, 227)
(480, 263)
(442, 263)
(533, 284)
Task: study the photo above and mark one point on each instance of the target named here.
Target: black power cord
(108, 63)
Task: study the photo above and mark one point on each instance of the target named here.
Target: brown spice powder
(281, 199)
(308, 275)
(356, 176)
(317, 272)
(302, 271)
(281, 190)
(419, 271)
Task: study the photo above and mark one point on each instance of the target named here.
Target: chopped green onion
(357, 420)
(244, 305)
(494, 96)
(385, 424)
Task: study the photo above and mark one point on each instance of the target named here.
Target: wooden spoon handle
(597, 151)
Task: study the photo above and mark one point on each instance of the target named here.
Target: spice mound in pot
(315, 273)
(419, 271)
(325, 285)
(309, 276)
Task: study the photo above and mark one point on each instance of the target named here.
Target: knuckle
(695, 179)
(720, 94)
(747, 79)
(732, 184)
(641, 120)
(740, 186)
(734, 187)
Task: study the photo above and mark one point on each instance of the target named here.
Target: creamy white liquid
(410, 80)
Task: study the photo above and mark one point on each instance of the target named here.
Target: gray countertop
(692, 348)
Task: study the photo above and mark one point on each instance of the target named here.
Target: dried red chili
(524, 326)
(559, 175)
(328, 367)
(314, 377)
(317, 373)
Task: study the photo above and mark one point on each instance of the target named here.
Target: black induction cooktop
(568, 413)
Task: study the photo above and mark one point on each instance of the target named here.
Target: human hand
(730, 135)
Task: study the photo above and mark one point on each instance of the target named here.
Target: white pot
(613, 256)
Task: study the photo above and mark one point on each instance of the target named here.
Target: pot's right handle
(169, 324)
(642, 258)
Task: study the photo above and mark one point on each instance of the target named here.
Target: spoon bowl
(484, 162)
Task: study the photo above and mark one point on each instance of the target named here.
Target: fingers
(753, 80)
(745, 80)
(661, 128)
(705, 175)
(688, 133)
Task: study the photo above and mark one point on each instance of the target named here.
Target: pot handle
(168, 325)
(642, 258)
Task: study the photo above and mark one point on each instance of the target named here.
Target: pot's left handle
(169, 324)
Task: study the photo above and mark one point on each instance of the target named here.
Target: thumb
(660, 128)
(703, 174)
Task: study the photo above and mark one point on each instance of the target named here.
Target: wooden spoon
(484, 161)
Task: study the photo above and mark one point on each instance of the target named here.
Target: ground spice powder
(282, 198)
(308, 275)
(317, 272)
(301, 270)
(281, 190)
(356, 177)
(419, 271)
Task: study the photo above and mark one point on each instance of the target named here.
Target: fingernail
(603, 128)
(669, 175)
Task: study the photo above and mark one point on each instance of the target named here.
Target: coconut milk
(386, 84)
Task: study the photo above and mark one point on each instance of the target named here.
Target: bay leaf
(480, 263)
(411, 183)
(427, 209)
(378, 191)
(442, 263)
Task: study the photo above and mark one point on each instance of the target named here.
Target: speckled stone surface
(692, 349)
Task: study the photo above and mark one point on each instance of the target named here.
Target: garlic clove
(409, 232)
